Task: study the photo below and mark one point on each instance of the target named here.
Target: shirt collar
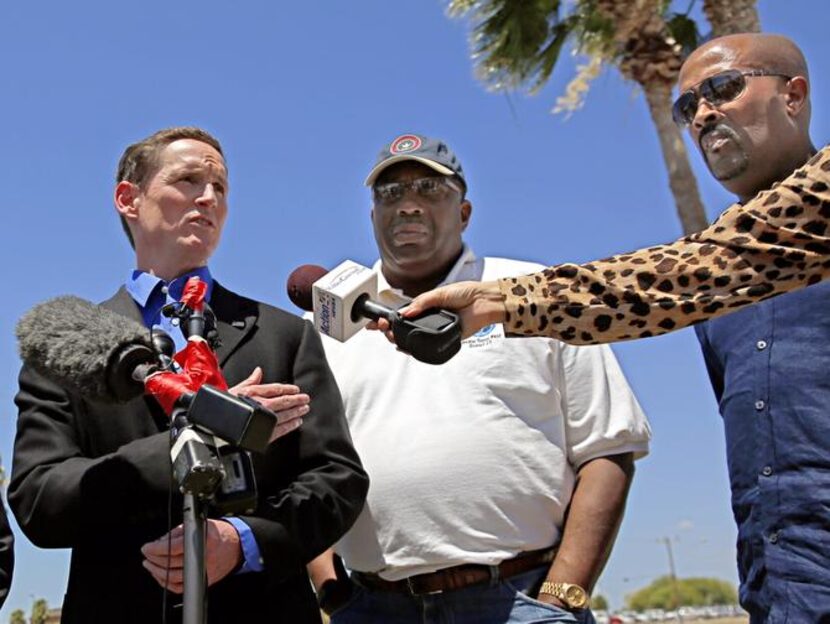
(391, 295)
(141, 285)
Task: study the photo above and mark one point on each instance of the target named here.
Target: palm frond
(513, 41)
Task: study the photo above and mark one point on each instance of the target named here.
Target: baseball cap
(433, 153)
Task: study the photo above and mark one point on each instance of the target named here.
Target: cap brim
(374, 173)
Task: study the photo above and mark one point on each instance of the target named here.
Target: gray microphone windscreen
(77, 344)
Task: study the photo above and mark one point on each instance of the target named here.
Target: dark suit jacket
(96, 478)
(6, 555)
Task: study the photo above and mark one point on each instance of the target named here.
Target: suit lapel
(122, 303)
(235, 318)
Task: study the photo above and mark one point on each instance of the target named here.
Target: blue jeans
(504, 601)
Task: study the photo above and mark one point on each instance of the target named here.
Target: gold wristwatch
(572, 595)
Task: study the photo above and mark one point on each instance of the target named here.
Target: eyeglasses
(716, 90)
(428, 188)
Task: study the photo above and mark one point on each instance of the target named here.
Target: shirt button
(759, 405)
(165, 289)
(767, 471)
(761, 345)
(773, 537)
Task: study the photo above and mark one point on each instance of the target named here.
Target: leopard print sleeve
(775, 243)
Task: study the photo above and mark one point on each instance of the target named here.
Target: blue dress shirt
(151, 294)
(770, 369)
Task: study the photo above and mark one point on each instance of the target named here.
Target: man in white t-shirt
(499, 479)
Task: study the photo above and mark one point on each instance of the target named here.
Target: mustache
(408, 220)
(721, 127)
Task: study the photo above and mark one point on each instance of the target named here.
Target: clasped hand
(285, 400)
(164, 558)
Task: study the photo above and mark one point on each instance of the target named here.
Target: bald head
(748, 108)
(752, 51)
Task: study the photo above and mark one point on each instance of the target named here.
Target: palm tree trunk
(681, 178)
(729, 17)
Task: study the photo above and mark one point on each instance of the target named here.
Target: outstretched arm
(775, 243)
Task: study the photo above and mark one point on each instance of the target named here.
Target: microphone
(343, 300)
(83, 347)
(107, 357)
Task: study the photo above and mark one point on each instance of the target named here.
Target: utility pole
(673, 576)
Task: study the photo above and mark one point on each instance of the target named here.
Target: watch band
(574, 596)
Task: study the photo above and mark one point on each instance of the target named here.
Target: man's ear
(127, 198)
(797, 95)
(466, 213)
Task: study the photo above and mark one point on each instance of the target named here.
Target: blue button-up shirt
(770, 369)
(152, 294)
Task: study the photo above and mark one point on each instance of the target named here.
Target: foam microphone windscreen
(299, 285)
(76, 344)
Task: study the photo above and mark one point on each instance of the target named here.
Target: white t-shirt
(474, 461)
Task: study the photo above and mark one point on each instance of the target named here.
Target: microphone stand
(195, 574)
(199, 464)
(198, 473)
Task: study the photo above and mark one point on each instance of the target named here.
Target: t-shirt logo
(405, 143)
(481, 333)
(485, 336)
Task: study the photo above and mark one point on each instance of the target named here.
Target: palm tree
(517, 42)
(646, 52)
(40, 609)
(728, 17)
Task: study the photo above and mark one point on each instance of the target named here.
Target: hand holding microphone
(343, 301)
(478, 304)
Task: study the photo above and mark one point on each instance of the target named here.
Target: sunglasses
(428, 188)
(716, 90)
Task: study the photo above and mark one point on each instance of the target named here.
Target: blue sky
(303, 95)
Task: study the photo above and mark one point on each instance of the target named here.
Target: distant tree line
(669, 593)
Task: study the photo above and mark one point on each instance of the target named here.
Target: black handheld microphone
(343, 299)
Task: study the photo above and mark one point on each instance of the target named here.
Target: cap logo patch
(405, 143)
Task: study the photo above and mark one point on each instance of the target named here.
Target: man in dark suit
(97, 478)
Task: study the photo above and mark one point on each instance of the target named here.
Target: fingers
(166, 565)
(384, 326)
(423, 302)
(452, 297)
(171, 579)
(254, 378)
(275, 396)
(268, 390)
(261, 391)
(285, 400)
(164, 560)
(290, 416)
(477, 303)
(289, 425)
(158, 549)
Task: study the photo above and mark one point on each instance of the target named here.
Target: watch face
(575, 596)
